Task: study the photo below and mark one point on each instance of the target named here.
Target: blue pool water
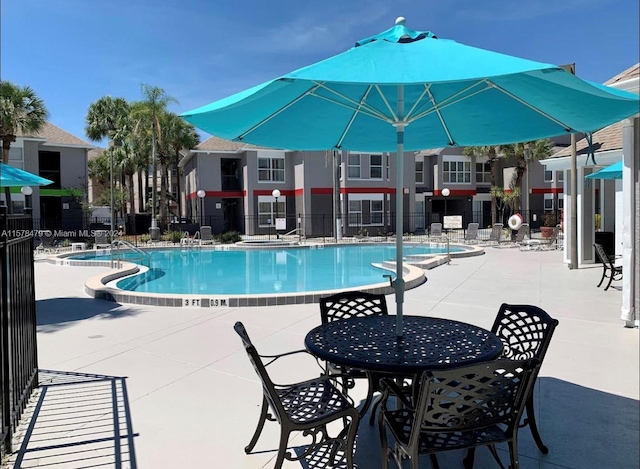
(255, 271)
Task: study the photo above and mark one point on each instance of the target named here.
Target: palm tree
(523, 154)
(109, 118)
(155, 102)
(21, 111)
(179, 135)
(492, 154)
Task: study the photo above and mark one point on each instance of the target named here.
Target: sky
(73, 52)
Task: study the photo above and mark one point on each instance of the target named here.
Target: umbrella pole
(398, 283)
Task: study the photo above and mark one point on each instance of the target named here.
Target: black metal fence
(323, 226)
(18, 347)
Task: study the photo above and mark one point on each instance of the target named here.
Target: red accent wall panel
(547, 190)
(458, 192)
(224, 194)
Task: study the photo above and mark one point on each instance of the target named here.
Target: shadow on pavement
(76, 420)
(53, 314)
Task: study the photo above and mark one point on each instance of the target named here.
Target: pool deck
(155, 387)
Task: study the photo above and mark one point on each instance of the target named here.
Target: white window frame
(387, 158)
(378, 214)
(378, 166)
(350, 165)
(457, 162)
(485, 173)
(545, 175)
(419, 171)
(270, 213)
(271, 170)
(371, 199)
(355, 210)
(548, 202)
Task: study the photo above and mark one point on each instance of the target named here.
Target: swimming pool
(263, 271)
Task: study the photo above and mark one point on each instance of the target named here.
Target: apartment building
(61, 157)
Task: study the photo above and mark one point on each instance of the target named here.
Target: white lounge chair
(471, 236)
(206, 237)
(101, 240)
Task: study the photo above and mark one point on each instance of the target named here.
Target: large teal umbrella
(11, 176)
(410, 90)
(610, 172)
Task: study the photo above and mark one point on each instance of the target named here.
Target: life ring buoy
(515, 222)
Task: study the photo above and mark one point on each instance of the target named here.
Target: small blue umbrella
(14, 177)
(410, 90)
(610, 172)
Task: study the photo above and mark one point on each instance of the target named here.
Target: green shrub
(229, 237)
(174, 236)
(145, 238)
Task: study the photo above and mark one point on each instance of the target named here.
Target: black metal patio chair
(352, 304)
(526, 332)
(458, 408)
(609, 268)
(306, 407)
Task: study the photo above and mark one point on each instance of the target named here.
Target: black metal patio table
(428, 343)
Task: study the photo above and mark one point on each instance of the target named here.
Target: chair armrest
(389, 387)
(273, 358)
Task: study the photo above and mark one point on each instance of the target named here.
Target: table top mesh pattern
(428, 343)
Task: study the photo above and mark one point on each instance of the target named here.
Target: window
(375, 166)
(483, 173)
(548, 176)
(376, 212)
(271, 169)
(355, 212)
(267, 210)
(353, 170)
(560, 201)
(560, 176)
(419, 172)
(456, 172)
(548, 201)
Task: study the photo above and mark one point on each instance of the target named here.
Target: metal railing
(115, 253)
(18, 344)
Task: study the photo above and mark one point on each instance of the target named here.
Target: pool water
(260, 271)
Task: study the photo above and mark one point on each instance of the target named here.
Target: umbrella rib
(386, 102)
(279, 111)
(449, 101)
(415, 105)
(444, 125)
(568, 128)
(353, 117)
(371, 111)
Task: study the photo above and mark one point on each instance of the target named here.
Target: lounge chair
(609, 269)
(101, 240)
(435, 231)
(522, 233)
(496, 233)
(544, 244)
(47, 243)
(206, 237)
(471, 236)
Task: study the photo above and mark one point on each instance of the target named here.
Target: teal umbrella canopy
(410, 90)
(610, 172)
(14, 177)
(453, 95)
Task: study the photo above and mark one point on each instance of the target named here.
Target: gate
(18, 350)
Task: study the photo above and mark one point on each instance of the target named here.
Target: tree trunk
(178, 186)
(163, 191)
(132, 197)
(6, 146)
(494, 202)
(142, 193)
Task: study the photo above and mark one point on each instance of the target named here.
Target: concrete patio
(150, 387)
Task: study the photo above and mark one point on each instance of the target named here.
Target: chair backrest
(602, 254)
(472, 231)
(350, 304)
(47, 239)
(101, 237)
(523, 232)
(205, 233)
(525, 331)
(496, 232)
(472, 397)
(436, 229)
(258, 365)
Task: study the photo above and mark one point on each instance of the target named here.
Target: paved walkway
(151, 387)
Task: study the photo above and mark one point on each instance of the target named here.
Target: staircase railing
(116, 247)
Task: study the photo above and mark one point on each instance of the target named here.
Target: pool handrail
(118, 243)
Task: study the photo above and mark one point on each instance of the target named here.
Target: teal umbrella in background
(11, 176)
(610, 172)
(404, 90)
